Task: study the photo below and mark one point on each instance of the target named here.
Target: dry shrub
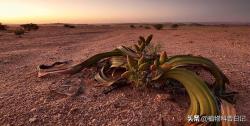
(158, 26)
(3, 27)
(69, 26)
(29, 27)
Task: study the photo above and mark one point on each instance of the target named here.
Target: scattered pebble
(32, 110)
(73, 110)
(33, 119)
(162, 97)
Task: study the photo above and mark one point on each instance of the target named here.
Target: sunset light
(115, 11)
(124, 62)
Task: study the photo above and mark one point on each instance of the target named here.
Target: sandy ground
(26, 99)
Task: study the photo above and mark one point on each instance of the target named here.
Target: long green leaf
(118, 61)
(127, 51)
(203, 101)
(186, 60)
(101, 76)
(42, 71)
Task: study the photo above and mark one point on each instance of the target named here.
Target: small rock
(33, 119)
(93, 120)
(162, 97)
(73, 110)
(32, 110)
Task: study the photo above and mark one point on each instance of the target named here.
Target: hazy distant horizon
(121, 11)
(205, 23)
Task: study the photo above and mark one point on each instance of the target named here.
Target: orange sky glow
(122, 11)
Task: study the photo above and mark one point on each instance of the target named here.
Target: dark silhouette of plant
(29, 27)
(69, 26)
(158, 26)
(174, 26)
(3, 27)
(147, 27)
(143, 68)
(196, 24)
(132, 26)
(19, 32)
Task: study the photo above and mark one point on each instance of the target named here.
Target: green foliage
(158, 26)
(69, 26)
(143, 66)
(29, 27)
(19, 32)
(152, 49)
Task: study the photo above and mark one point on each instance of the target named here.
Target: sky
(123, 11)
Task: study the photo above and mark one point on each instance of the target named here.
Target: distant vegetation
(3, 27)
(19, 32)
(174, 26)
(158, 26)
(147, 27)
(196, 24)
(69, 26)
(132, 26)
(105, 25)
(29, 27)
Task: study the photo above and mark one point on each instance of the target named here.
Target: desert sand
(26, 99)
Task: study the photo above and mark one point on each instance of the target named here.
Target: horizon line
(169, 22)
